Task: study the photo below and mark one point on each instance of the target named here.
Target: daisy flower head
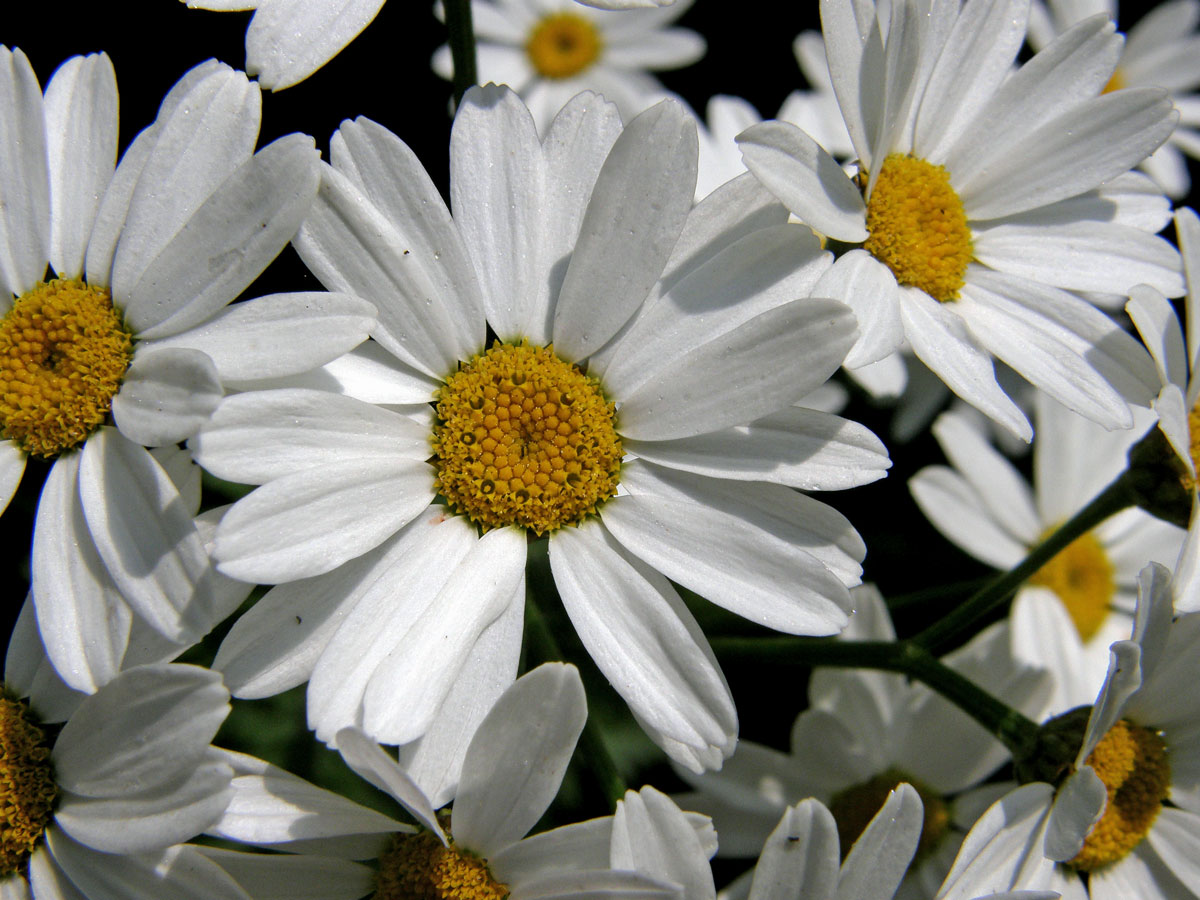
(1176, 352)
(98, 805)
(1160, 51)
(1064, 617)
(978, 205)
(633, 411)
(130, 346)
(1126, 821)
(550, 50)
(479, 849)
(866, 733)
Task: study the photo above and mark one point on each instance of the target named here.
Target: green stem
(462, 46)
(946, 631)
(593, 752)
(1013, 729)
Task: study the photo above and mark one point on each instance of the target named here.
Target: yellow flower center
(855, 807)
(63, 352)
(27, 788)
(524, 438)
(419, 867)
(1193, 446)
(918, 228)
(1132, 762)
(1082, 577)
(563, 45)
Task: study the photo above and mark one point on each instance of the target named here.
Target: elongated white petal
(1078, 806)
(801, 854)
(371, 374)
(166, 396)
(1159, 327)
(12, 467)
(880, 856)
(46, 878)
(282, 877)
(81, 142)
(367, 758)
(646, 642)
(517, 758)
(861, 282)
(651, 835)
(287, 40)
(24, 177)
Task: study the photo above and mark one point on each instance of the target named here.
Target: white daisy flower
(1066, 616)
(101, 809)
(133, 331)
(977, 201)
(550, 50)
(625, 327)
(1178, 402)
(1161, 50)
(478, 851)
(1126, 821)
(865, 733)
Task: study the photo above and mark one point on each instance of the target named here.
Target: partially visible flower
(865, 733)
(977, 204)
(1065, 617)
(1161, 50)
(550, 50)
(131, 345)
(1126, 821)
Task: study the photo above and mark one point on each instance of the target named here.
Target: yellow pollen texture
(855, 807)
(1132, 762)
(419, 867)
(524, 438)
(918, 228)
(563, 45)
(1193, 445)
(1083, 578)
(63, 353)
(27, 788)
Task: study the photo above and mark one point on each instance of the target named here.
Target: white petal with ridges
(801, 854)
(288, 40)
(24, 177)
(369, 760)
(166, 395)
(881, 854)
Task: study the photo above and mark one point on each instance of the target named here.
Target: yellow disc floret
(524, 438)
(63, 352)
(563, 45)
(1083, 578)
(1132, 762)
(855, 807)
(1193, 446)
(420, 867)
(27, 788)
(918, 228)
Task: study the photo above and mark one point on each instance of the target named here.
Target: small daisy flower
(1178, 402)
(98, 807)
(864, 734)
(130, 345)
(974, 212)
(625, 326)
(1161, 50)
(550, 50)
(1126, 821)
(478, 850)
(1066, 616)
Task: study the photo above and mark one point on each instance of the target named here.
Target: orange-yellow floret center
(1193, 446)
(523, 438)
(420, 867)
(1132, 762)
(1084, 579)
(27, 788)
(918, 228)
(563, 44)
(855, 807)
(63, 352)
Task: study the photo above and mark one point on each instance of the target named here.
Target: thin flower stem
(462, 46)
(593, 752)
(962, 620)
(1011, 727)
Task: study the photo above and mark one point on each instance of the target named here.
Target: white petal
(367, 758)
(1123, 679)
(645, 642)
(1078, 805)
(167, 394)
(12, 467)
(316, 519)
(288, 40)
(24, 176)
(651, 835)
(278, 877)
(854, 51)
(800, 856)
(81, 141)
(880, 856)
(867, 287)
(637, 210)
(50, 882)
(371, 374)
(517, 758)
(497, 182)
(145, 727)
(84, 619)
(145, 536)
(1158, 325)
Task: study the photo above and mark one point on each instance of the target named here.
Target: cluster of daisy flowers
(418, 574)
